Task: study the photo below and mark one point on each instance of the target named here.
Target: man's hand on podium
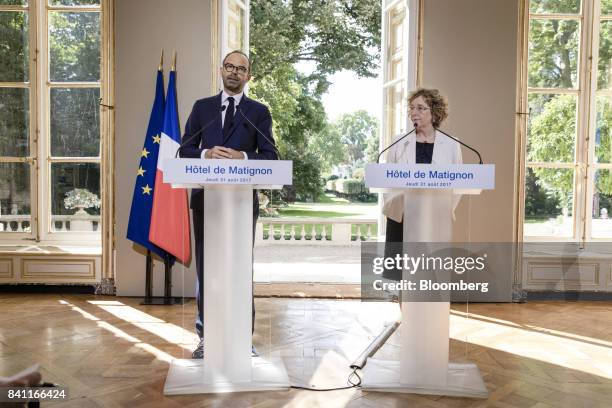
(220, 152)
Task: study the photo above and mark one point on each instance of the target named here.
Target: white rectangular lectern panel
(197, 172)
(430, 176)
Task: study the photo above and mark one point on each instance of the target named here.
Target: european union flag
(142, 200)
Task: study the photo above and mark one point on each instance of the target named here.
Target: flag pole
(167, 264)
(148, 280)
(149, 261)
(168, 282)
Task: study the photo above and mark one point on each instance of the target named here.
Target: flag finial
(174, 62)
(161, 61)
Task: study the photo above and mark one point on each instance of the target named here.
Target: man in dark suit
(225, 126)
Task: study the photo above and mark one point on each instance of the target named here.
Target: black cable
(354, 373)
(463, 144)
(239, 109)
(348, 380)
(394, 143)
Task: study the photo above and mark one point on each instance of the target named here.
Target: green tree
(340, 35)
(555, 6)
(328, 147)
(372, 148)
(603, 149)
(604, 68)
(553, 63)
(552, 138)
(14, 112)
(355, 130)
(333, 35)
(553, 53)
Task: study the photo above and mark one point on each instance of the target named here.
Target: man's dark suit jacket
(242, 136)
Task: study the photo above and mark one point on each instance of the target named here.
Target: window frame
(408, 55)
(40, 159)
(225, 14)
(407, 78)
(583, 165)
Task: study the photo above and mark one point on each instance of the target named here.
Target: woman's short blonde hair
(435, 101)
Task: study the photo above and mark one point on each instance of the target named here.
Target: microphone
(394, 143)
(239, 109)
(190, 138)
(461, 143)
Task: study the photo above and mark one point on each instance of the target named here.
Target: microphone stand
(190, 138)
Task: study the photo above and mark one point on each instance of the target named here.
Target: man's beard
(234, 88)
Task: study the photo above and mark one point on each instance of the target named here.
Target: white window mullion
(412, 51)
(34, 122)
(223, 38)
(581, 169)
(247, 25)
(43, 120)
(581, 176)
(397, 15)
(591, 114)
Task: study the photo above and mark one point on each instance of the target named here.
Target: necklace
(425, 139)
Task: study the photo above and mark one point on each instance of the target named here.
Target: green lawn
(308, 212)
(329, 206)
(537, 220)
(328, 198)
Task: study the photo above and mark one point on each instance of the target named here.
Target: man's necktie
(229, 117)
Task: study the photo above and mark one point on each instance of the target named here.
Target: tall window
(235, 29)
(399, 38)
(395, 76)
(50, 139)
(236, 24)
(568, 180)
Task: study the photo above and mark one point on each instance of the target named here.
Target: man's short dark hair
(241, 53)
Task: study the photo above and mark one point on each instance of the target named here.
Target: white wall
(143, 28)
(469, 53)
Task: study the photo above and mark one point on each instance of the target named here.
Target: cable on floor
(349, 380)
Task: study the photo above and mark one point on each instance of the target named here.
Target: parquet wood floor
(112, 352)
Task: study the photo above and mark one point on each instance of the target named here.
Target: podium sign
(430, 176)
(195, 172)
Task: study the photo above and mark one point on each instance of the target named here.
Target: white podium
(228, 261)
(424, 367)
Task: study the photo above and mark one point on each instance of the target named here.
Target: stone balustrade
(15, 223)
(283, 231)
(315, 231)
(21, 223)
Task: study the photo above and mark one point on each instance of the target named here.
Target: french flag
(169, 228)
